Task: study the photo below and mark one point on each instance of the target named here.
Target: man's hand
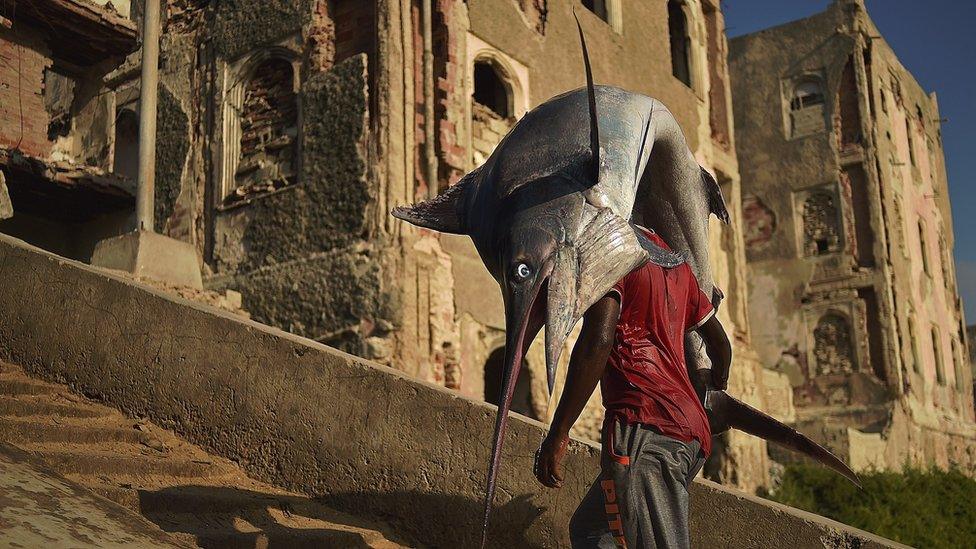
(586, 367)
(548, 460)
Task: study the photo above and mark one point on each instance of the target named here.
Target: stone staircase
(197, 497)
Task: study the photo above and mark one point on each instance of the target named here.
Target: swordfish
(554, 214)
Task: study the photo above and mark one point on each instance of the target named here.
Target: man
(656, 435)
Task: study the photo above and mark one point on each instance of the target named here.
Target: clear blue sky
(936, 41)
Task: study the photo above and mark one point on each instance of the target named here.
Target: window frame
(236, 77)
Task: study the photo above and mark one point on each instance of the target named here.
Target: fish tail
(716, 203)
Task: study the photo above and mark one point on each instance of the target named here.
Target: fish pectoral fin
(444, 212)
(606, 250)
(716, 202)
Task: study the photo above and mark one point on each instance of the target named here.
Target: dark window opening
(923, 248)
(911, 141)
(59, 93)
(521, 397)
(126, 159)
(680, 42)
(490, 90)
(599, 7)
(939, 365)
(916, 360)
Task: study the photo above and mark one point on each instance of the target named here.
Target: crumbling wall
(240, 26)
(301, 258)
(23, 117)
(172, 145)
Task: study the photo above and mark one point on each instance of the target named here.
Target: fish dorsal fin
(656, 254)
(444, 212)
(591, 97)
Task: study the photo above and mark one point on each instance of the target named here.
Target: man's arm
(586, 366)
(719, 351)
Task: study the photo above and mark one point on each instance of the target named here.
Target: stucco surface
(39, 508)
(366, 438)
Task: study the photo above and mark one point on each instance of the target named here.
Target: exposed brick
(23, 118)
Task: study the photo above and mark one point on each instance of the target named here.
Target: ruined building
(848, 236)
(58, 145)
(288, 129)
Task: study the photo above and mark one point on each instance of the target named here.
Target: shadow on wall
(522, 397)
(214, 515)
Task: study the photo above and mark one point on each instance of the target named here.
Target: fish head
(529, 244)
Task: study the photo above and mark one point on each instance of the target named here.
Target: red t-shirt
(646, 380)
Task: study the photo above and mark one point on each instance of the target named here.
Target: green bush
(919, 508)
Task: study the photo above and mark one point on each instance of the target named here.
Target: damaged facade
(848, 237)
(57, 146)
(288, 129)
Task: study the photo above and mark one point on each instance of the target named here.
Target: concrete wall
(366, 438)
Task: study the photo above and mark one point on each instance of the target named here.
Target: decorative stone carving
(833, 350)
(821, 234)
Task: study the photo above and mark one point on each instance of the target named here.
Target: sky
(935, 40)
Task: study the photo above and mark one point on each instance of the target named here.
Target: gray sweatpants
(640, 499)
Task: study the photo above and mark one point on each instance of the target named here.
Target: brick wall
(354, 32)
(23, 118)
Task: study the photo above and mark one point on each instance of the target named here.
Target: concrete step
(86, 461)
(25, 406)
(189, 499)
(18, 385)
(253, 531)
(215, 516)
(24, 430)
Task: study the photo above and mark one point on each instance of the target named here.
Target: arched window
(833, 350)
(680, 42)
(493, 103)
(522, 397)
(820, 224)
(490, 89)
(126, 158)
(268, 130)
(807, 108)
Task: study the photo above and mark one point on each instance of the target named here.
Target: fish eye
(522, 271)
